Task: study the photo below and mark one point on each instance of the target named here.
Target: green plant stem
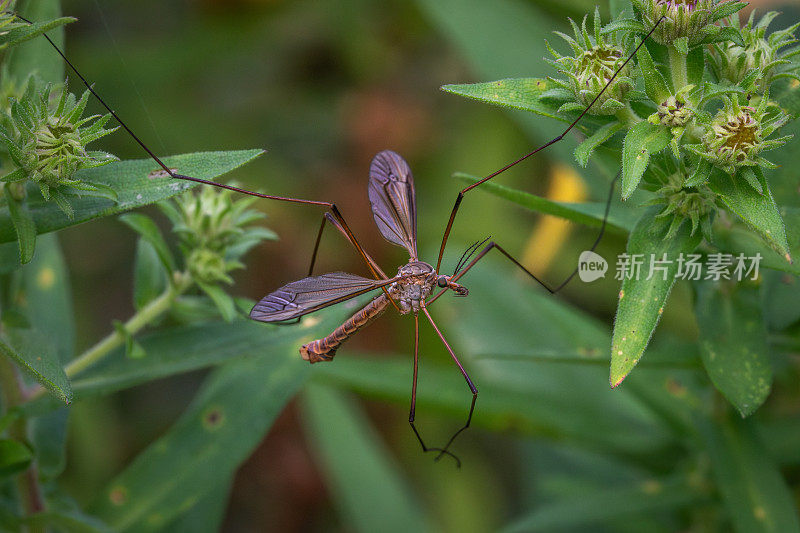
(13, 392)
(114, 340)
(143, 317)
(677, 66)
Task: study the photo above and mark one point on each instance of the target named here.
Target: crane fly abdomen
(324, 349)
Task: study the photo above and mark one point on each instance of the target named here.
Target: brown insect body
(324, 349)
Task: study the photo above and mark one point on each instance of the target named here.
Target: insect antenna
(461, 259)
(468, 253)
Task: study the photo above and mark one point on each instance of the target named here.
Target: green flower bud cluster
(696, 204)
(214, 232)
(691, 21)
(765, 55)
(45, 137)
(594, 61)
(737, 135)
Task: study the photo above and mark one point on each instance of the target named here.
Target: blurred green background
(323, 86)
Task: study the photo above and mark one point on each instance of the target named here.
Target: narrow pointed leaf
(14, 457)
(24, 226)
(753, 490)
(149, 275)
(758, 210)
(218, 431)
(134, 186)
(32, 353)
(642, 140)
(609, 504)
(733, 340)
(144, 226)
(620, 218)
(584, 151)
(515, 93)
(642, 301)
(366, 484)
(654, 83)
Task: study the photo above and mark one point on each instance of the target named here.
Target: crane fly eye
(442, 281)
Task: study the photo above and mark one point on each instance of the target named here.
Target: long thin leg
(465, 190)
(334, 210)
(551, 290)
(412, 412)
(327, 218)
(471, 385)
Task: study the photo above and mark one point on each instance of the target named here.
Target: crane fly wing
(310, 294)
(394, 205)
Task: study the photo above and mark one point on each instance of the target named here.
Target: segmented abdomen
(324, 349)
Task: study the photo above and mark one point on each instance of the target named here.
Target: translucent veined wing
(394, 205)
(311, 294)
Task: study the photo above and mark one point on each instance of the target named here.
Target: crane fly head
(446, 282)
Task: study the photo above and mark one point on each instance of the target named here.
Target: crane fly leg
(471, 385)
(327, 218)
(412, 411)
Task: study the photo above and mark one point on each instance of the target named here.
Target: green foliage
(715, 161)
(686, 124)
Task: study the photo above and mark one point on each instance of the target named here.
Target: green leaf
(642, 140)
(759, 211)
(700, 175)
(144, 226)
(33, 353)
(364, 481)
(227, 419)
(45, 297)
(655, 85)
(597, 508)
(133, 350)
(37, 55)
(150, 277)
(25, 33)
(24, 226)
(225, 304)
(695, 66)
(14, 457)
(681, 44)
(733, 338)
(781, 294)
(517, 93)
(620, 218)
(185, 348)
(207, 514)
(584, 151)
(641, 301)
(66, 522)
(134, 187)
(754, 492)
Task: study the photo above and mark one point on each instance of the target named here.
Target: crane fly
(411, 291)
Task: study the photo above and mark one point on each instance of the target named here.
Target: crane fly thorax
(417, 280)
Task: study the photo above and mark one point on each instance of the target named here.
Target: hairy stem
(628, 116)
(677, 66)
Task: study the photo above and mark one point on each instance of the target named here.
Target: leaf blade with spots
(641, 141)
(641, 301)
(227, 419)
(733, 340)
(753, 490)
(528, 94)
